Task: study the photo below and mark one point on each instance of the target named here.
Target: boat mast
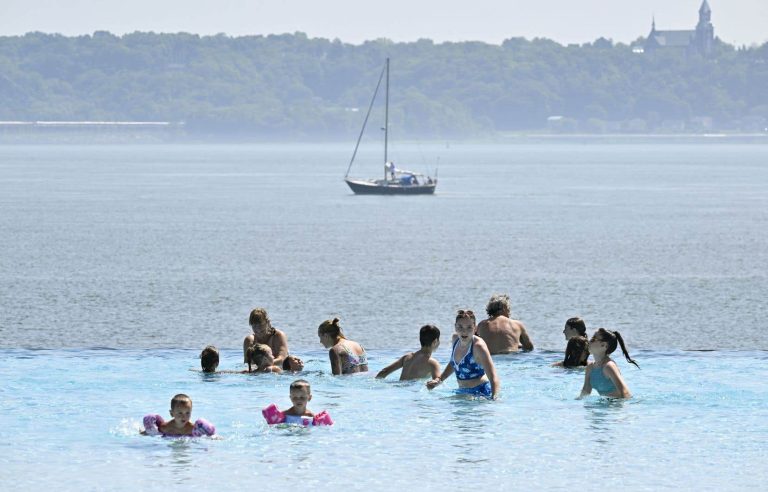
(386, 122)
(362, 130)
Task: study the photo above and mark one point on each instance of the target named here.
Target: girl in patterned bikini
(470, 360)
(347, 356)
(603, 374)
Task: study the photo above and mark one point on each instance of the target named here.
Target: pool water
(71, 420)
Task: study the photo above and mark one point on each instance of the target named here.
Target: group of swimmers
(472, 347)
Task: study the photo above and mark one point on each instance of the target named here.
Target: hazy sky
(566, 21)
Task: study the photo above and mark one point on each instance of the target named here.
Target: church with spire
(700, 40)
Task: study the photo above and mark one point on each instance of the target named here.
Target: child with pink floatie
(298, 414)
(181, 424)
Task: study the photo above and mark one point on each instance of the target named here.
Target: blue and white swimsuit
(468, 368)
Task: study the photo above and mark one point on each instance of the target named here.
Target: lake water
(119, 263)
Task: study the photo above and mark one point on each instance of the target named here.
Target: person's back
(501, 334)
(419, 364)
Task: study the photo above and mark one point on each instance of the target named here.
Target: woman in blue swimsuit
(470, 360)
(603, 374)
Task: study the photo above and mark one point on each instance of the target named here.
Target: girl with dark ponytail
(603, 374)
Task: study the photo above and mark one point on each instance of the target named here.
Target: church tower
(705, 32)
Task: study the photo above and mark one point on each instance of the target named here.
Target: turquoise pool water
(71, 420)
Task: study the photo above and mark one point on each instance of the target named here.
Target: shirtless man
(501, 334)
(264, 332)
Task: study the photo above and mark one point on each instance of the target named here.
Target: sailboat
(396, 181)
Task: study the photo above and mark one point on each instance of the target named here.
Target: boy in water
(298, 414)
(420, 364)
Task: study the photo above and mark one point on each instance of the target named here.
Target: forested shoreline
(298, 87)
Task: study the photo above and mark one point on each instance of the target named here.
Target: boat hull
(362, 187)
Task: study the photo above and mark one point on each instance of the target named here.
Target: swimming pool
(71, 421)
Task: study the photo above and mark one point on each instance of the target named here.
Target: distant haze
(566, 21)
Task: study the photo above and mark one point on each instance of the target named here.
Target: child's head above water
(181, 408)
(209, 358)
(301, 394)
(260, 355)
(498, 305)
(428, 334)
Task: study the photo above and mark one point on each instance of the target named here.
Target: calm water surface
(699, 420)
(171, 246)
(119, 263)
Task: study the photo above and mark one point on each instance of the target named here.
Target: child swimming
(298, 414)
(347, 356)
(419, 364)
(209, 359)
(180, 424)
(471, 360)
(260, 359)
(603, 374)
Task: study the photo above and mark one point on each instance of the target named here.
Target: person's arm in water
(335, 362)
(525, 340)
(611, 370)
(432, 383)
(398, 364)
(586, 390)
(247, 342)
(434, 368)
(483, 357)
(281, 342)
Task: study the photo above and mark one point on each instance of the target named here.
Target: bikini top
(353, 360)
(467, 367)
(600, 381)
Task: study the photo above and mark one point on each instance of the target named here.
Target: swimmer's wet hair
(577, 324)
(576, 352)
(466, 313)
(256, 354)
(611, 337)
(209, 358)
(300, 384)
(497, 305)
(259, 316)
(428, 334)
(330, 327)
(180, 399)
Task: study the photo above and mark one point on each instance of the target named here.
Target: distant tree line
(293, 86)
